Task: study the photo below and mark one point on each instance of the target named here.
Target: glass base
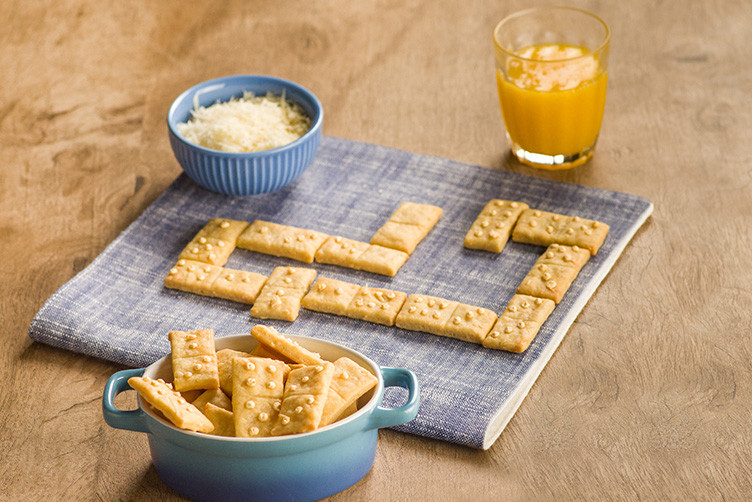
(552, 162)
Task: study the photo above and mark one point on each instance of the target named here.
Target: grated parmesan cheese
(248, 124)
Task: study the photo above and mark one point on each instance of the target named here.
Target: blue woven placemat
(117, 308)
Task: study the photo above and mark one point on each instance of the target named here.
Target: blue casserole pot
(307, 466)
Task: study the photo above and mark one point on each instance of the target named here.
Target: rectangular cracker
(282, 293)
(381, 260)
(425, 313)
(194, 360)
(554, 272)
(207, 250)
(224, 367)
(544, 228)
(349, 383)
(469, 323)
(491, 229)
(223, 229)
(215, 397)
(340, 251)
(192, 277)
(407, 226)
(519, 323)
(303, 402)
(282, 240)
(276, 341)
(222, 419)
(330, 296)
(237, 285)
(162, 397)
(258, 386)
(376, 305)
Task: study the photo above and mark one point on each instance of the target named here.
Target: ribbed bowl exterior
(244, 173)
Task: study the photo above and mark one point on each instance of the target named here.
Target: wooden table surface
(648, 396)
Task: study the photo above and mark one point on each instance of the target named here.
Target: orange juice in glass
(551, 72)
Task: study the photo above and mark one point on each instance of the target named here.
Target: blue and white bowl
(246, 173)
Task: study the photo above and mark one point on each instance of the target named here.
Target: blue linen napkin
(118, 309)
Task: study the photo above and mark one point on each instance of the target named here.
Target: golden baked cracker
(291, 278)
(215, 397)
(224, 229)
(381, 260)
(276, 341)
(303, 402)
(224, 367)
(340, 251)
(330, 296)
(237, 285)
(349, 383)
(554, 272)
(261, 350)
(425, 313)
(544, 228)
(222, 419)
(376, 305)
(422, 215)
(491, 229)
(192, 277)
(520, 322)
(469, 323)
(281, 295)
(258, 386)
(194, 360)
(407, 226)
(282, 240)
(162, 397)
(208, 250)
(566, 256)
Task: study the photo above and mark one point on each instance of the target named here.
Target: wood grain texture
(649, 395)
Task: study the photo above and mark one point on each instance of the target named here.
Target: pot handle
(130, 420)
(388, 417)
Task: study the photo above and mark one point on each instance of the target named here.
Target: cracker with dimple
(469, 323)
(376, 305)
(303, 402)
(519, 323)
(544, 228)
(330, 296)
(224, 367)
(491, 229)
(215, 397)
(222, 419)
(554, 272)
(349, 383)
(340, 251)
(407, 226)
(224, 229)
(192, 277)
(278, 342)
(162, 397)
(258, 386)
(282, 293)
(425, 313)
(381, 260)
(237, 285)
(282, 240)
(194, 360)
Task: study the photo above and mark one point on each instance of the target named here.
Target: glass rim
(514, 15)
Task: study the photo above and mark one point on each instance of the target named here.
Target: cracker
(276, 341)
(519, 323)
(376, 305)
(340, 251)
(237, 285)
(222, 419)
(554, 272)
(469, 323)
(349, 383)
(282, 240)
(491, 229)
(544, 228)
(425, 313)
(280, 297)
(258, 386)
(162, 397)
(330, 296)
(192, 277)
(194, 360)
(215, 397)
(381, 260)
(261, 350)
(409, 224)
(224, 229)
(224, 368)
(303, 402)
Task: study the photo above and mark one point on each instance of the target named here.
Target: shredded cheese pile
(248, 124)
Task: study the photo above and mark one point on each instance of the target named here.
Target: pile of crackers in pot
(570, 241)
(277, 389)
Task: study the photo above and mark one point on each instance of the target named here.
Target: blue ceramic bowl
(307, 466)
(252, 172)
